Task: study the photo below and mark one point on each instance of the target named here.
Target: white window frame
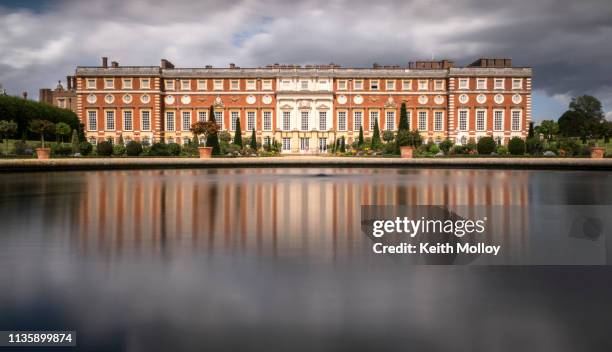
(185, 84)
(218, 84)
(170, 121)
(517, 83)
(92, 114)
(286, 144)
(127, 83)
(234, 84)
(323, 120)
(389, 122)
(219, 118)
(304, 84)
(423, 84)
(234, 116)
(145, 123)
(304, 120)
(481, 120)
(266, 84)
(145, 83)
(390, 84)
(501, 120)
(342, 120)
(341, 84)
(463, 120)
(251, 84)
(374, 84)
(464, 83)
(286, 120)
(406, 84)
(107, 85)
(439, 85)
(267, 120)
(91, 83)
(304, 144)
(202, 115)
(169, 84)
(497, 85)
(372, 119)
(128, 126)
(358, 84)
(201, 84)
(422, 123)
(438, 121)
(481, 83)
(109, 116)
(250, 120)
(186, 120)
(357, 121)
(512, 119)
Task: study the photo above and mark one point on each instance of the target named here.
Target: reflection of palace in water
(275, 212)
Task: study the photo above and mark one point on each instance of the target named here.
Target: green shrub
(446, 145)
(159, 149)
(118, 149)
(22, 148)
(133, 148)
(501, 150)
(516, 146)
(534, 146)
(61, 149)
(434, 149)
(568, 147)
(471, 145)
(388, 136)
(174, 149)
(486, 145)
(409, 138)
(390, 148)
(458, 149)
(85, 148)
(104, 148)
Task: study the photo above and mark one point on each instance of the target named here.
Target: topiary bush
(174, 149)
(486, 146)
(104, 148)
(159, 149)
(501, 150)
(61, 149)
(133, 148)
(516, 146)
(85, 148)
(446, 145)
(118, 150)
(534, 146)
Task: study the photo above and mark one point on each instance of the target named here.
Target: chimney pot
(114, 64)
(104, 61)
(232, 65)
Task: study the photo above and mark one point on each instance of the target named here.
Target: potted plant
(41, 127)
(407, 142)
(596, 151)
(204, 128)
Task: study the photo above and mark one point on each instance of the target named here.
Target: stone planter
(406, 152)
(205, 152)
(43, 153)
(598, 152)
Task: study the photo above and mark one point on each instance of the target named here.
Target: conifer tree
(238, 133)
(403, 122)
(360, 140)
(213, 139)
(253, 140)
(376, 135)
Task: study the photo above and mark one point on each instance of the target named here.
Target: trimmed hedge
(516, 146)
(486, 146)
(133, 148)
(104, 148)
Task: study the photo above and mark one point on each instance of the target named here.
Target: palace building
(305, 108)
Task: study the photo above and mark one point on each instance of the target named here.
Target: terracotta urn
(597, 152)
(43, 153)
(205, 152)
(406, 152)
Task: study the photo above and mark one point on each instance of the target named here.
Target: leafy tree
(61, 130)
(253, 141)
(76, 145)
(376, 136)
(548, 129)
(7, 129)
(516, 146)
(587, 105)
(41, 127)
(205, 129)
(408, 138)
(133, 148)
(486, 145)
(388, 136)
(213, 140)
(583, 119)
(446, 145)
(360, 140)
(404, 125)
(534, 146)
(238, 133)
(104, 148)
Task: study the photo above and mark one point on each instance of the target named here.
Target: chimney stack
(25, 95)
(104, 61)
(232, 65)
(68, 83)
(165, 64)
(114, 64)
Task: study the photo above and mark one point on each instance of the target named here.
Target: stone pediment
(322, 107)
(286, 107)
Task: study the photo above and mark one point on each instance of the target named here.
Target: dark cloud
(566, 42)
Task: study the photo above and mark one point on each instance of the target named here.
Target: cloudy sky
(566, 42)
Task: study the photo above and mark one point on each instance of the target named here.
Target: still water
(274, 259)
